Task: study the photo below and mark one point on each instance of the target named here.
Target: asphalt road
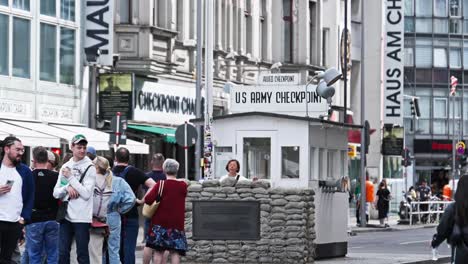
(412, 241)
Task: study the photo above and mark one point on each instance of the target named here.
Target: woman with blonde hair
(112, 197)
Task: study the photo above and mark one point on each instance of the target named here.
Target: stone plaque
(226, 220)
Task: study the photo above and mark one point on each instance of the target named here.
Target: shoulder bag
(149, 210)
(63, 206)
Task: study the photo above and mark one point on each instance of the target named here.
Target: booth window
(257, 158)
(331, 163)
(290, 162)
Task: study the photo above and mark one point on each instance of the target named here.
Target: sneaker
(435, 254)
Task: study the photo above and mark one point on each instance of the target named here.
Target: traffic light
(406, 157)
(415, 107)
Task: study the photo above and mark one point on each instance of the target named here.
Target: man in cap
(91, 152)
(16, 196)
(75, 184)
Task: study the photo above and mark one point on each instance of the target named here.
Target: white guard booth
(294, 152)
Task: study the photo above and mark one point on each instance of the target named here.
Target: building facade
(39, 60)
(436, 48)
(156, 40)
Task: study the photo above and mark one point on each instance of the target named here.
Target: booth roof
(304, 118)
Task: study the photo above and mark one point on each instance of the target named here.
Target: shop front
(160, 105)
(433, 162)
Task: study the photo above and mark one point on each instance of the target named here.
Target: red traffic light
(57, 151)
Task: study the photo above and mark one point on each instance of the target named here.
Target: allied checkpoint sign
(280, 99)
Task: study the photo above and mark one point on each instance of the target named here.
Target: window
(465, 57)
(440, 8)
(409, 56)
(454, 8)
(67, 56)
(441, 26)
(4, 2)
(48, 7)
(249, 28)
(409, 7)
(21, 47)
(423, 25)
(455, 26)
(288, 30)
(440, 57)
(257, 161)
(322, 166)
(47, 53)
(440, 108)
(424, 8)
(331, 165)
(325, 41)
(67, 9)
(455, 58)
(423, 54)
(409, 24)
(4, 44)
(290, 162)
(263, 30)
(21, 4)
(124, 7)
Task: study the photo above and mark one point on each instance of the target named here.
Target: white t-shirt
(11, 203)
(241, 178)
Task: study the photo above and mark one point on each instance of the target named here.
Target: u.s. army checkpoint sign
(289, 99)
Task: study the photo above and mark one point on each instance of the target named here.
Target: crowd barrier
(420, 213)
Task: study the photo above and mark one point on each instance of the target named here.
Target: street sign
(352, 151)
(460, 147)
(279, 79)
(191, 135)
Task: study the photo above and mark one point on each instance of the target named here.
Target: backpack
(123, 174)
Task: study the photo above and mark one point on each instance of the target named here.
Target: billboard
(392, 142)
(393, 63)
(115, 95)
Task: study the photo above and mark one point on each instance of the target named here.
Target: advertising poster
(115, 95)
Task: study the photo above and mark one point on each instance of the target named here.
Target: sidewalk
(374, 225)
(371, 258)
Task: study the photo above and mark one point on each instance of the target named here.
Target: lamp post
(324, 87)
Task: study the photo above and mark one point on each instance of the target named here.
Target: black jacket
(456, 237)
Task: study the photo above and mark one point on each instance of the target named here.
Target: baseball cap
(91, 149)
(79, 138)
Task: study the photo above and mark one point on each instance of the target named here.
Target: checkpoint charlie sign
(281, 99)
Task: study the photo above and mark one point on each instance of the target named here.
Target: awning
(97, 139)
(28, 137)
(167, 132)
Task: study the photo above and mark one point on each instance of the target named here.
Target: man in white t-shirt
(16, 196)
(80, 201)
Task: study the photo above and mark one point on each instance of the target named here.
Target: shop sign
(167, 103)
(10, 108)
(290, 100)
(279, 79)
(56, 113)
(99, 30)
(434, 146)
(393, 63)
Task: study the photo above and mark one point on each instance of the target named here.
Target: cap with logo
(79, 138)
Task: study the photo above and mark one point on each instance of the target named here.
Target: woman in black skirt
(383, 202)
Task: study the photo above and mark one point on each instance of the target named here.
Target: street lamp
(324, 87)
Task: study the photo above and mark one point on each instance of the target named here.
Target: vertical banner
(99, 30)
(393, 62)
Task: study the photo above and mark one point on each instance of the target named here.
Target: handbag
(63, 206)
(149, 210)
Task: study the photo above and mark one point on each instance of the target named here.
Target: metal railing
(429, 214)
